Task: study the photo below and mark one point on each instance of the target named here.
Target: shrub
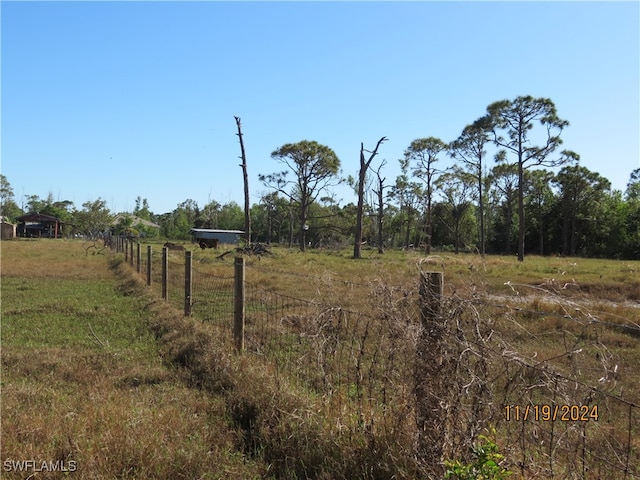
(484, 466)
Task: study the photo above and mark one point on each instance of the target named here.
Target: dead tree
(380, 220)
(247, 213)
(364, 166)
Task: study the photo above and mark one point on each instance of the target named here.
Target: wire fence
(354, 346)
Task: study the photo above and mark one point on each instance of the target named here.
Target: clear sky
(121, 99)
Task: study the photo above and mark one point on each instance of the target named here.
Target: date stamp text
(551, 413)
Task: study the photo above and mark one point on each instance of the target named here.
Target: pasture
(84, 388)
(98, 371)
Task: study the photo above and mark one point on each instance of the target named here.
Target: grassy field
(552, 321)
(84, 387)
(101, 376)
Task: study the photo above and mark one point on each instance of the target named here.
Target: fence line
(364, 365)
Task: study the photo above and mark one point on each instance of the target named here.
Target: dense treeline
(505, 206)
(573, 212)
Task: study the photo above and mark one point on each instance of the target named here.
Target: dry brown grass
(189, 406)
(99, 399)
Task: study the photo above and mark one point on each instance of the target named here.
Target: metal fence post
(238, 310)
(165, 273)
(149, 265)
(187, 283)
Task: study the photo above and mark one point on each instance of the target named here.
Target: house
(39, 225)
(207, 237)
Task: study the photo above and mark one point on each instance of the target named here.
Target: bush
(485, 465)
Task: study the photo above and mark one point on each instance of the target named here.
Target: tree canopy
(314, 166)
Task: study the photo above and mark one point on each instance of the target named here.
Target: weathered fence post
(138, 258)
(238, 310)
(187, 283)
(165, 273)
(149, 265)
(125, 247)
(131, 253)
(431, 373)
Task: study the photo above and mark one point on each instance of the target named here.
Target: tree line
(525, 197)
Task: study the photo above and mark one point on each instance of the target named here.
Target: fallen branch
(252, 249)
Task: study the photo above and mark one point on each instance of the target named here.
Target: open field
(96, 370)
(615, 281)
(551, 321)
(83, 385)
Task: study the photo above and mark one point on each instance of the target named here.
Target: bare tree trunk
(247, 210)
(361, 178)
(574, 235)
(380, 194)
(290, 227)
(303, 227)
(481, 207)
(269, 227)
(565, 236)
(428, 228)
(364, 166)
(540, 231)
(509, 222)
(520, 211)
(407, 240)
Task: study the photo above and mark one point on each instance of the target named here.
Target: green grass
(69, 312)
(83, 381)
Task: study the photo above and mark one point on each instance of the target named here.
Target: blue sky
(120, 99)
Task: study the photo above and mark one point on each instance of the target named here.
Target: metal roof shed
(231, 237)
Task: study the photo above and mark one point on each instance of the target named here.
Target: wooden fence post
(238, 310)
(430, 378)
(149, 265)
(125, 247)
(138, 258)
(187, 283)
(131, 253)
(165, 273)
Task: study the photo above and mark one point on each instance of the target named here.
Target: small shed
(38, 225)
(8, 230)
(231, 237)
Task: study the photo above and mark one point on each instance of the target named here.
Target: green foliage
(633, 187)
(8, 206)
(314, 166)
(582, 195)
(485, 464)
(231, 217)
(94, 217)
(177, 224)
(142, 209)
